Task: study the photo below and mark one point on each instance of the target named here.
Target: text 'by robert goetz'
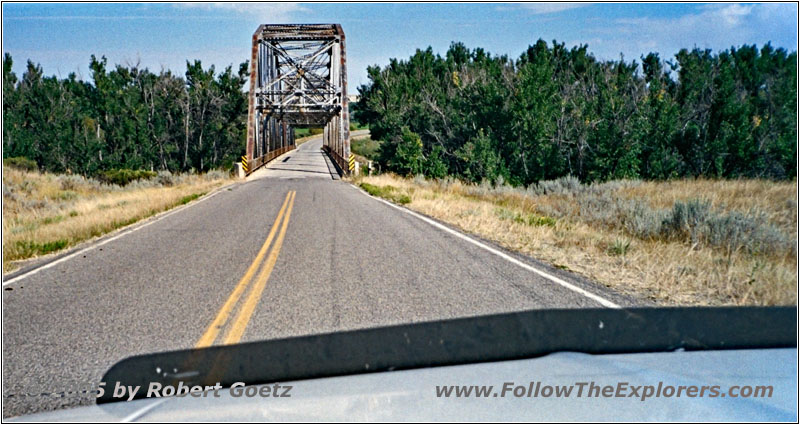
(156, 389)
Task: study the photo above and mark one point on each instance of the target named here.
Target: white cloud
(733, 14)
(716, 27)
(543, 8)
(724, 17)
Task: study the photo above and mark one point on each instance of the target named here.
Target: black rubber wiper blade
(498, 337)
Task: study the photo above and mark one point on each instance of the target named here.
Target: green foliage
(619, 246)
(51, 220)
(386, 192)
(365, 147)
(406, 153)
(434, 164)
(528, 219)
(480, 158)
(190, 198)
(31, 248)
(125, 117)
(558, 111)
(307, 131)
(355, 125)
(123, 176)
(21, 163)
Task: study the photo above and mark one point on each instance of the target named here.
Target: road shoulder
(582, 283)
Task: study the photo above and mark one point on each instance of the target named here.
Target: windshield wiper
(459, 341)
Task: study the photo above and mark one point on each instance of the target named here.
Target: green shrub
(540, 220)
(71, 181)
(528, 219)
(217, 174)
(67, 195)
(734, 231)
(355, 125)
(566, 185)
(620, 246)
(365, 147)
(189, 198)
(123, 176)
(386, 192)
(21, 163)
(31, 248)
(166, 178)
(400, 199)
(408, 158)
(51, 220)
(693, 222)
(686, 220)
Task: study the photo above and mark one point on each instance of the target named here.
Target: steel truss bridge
(298, 78)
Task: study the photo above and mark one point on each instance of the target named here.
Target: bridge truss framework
(298, 78)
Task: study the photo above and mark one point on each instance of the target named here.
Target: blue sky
(61, 37)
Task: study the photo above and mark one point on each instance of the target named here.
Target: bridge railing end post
(238, 170)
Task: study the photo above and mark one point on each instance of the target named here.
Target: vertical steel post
(344, 126)
(251, 108)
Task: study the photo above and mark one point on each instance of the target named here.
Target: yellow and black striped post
(244, 163)
(352, 163)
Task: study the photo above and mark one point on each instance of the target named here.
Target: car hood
(410, 395)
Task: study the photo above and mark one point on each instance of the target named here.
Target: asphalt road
(338, 260)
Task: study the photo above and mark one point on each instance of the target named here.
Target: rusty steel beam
(298, 77)
(336, 140)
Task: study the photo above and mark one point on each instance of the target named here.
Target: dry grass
(556, 228)
(44, 213)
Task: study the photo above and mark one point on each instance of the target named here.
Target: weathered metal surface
(251, 131)
(298, 78)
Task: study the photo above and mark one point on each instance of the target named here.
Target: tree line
(126, 117)
(559, 111)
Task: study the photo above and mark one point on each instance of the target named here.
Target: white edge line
(115, 237)
(139, 413)
(599, 299)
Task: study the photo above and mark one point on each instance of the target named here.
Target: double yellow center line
(238, 325)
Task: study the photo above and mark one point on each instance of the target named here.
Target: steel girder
(298, 77)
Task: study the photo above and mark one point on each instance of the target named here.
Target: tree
(557, 111)
(126, 117)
